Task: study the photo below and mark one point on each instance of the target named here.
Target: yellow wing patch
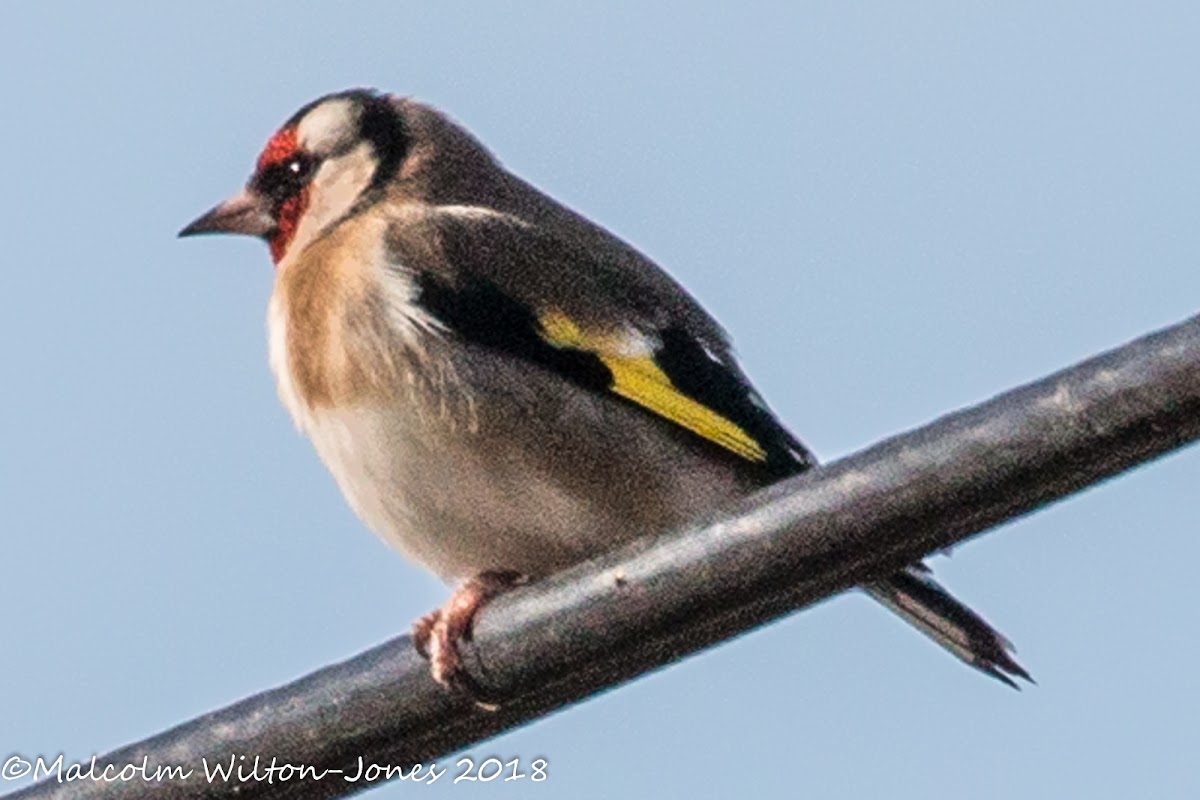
(639, 379)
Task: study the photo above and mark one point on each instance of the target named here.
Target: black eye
(284, 179)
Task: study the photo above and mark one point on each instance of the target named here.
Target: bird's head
(330, 159)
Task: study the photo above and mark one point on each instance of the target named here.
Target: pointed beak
(247, 212)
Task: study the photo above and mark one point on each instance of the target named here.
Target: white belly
(446, 504)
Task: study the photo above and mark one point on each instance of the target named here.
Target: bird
(500, 387)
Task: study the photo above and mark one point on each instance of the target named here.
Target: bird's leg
(438, 634)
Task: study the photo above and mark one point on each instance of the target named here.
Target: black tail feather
(921, 601)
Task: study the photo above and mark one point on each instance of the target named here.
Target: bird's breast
(386, 414)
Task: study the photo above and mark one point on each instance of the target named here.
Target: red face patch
(280, 150)
(286, 222)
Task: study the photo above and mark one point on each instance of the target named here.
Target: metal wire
(560, 640)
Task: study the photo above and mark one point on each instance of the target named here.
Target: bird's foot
(438, 634)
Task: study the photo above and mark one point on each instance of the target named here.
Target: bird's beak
(247, 212)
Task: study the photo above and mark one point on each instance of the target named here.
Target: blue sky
(896, 211)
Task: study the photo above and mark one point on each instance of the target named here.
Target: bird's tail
(921, 601)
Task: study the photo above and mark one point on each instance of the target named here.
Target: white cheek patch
(328, 127)
(335, 189)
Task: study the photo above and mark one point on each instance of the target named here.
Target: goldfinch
(500, 387)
